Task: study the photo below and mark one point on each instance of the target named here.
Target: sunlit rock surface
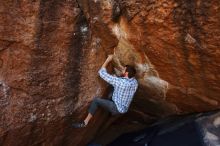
(50, 52)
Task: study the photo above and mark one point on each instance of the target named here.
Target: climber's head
(129, 71)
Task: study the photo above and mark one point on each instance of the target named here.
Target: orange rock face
(51, 51)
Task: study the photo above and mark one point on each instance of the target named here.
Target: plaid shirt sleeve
(107, 77)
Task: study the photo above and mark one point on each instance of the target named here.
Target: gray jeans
(108, 105)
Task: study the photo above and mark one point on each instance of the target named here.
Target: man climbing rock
(124, 89)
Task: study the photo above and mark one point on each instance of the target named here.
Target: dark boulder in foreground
(201, 129)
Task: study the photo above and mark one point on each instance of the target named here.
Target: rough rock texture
(50, 52)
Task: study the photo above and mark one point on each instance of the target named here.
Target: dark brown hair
(131, 71)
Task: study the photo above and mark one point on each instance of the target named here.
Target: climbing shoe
(79, 125)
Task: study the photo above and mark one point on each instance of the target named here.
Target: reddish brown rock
(50, 52)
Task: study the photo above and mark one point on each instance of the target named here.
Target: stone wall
(51, 51)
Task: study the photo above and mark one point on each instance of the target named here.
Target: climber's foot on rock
(79, 125)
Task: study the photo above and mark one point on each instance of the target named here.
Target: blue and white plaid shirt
(124, 89)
